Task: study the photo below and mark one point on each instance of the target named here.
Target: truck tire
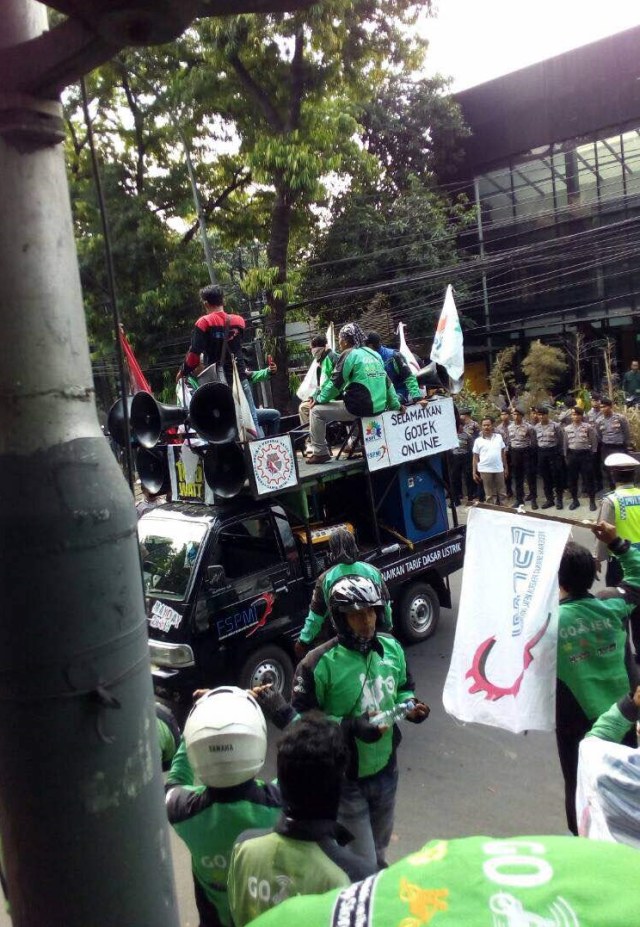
(268, 664)
(419, 612)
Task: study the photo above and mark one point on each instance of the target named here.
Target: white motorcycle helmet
(226, 737)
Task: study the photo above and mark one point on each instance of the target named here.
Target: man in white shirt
(490, 462)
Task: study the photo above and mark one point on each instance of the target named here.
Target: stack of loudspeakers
(211, 414)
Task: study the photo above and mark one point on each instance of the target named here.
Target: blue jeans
(269, 421)
(366, 809)
(246, 388)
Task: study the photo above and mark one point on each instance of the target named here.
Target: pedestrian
(522, 442)
(351, 678)
(581, 444)
(398, 370)
(490, 462)
(472, 430)
(326, 360)
(550, 441)
(343, 557)
(614, 434)
(360, 378)
(224, 748)
(307, 852)
(631, 383)
(591, 665)
(502, 429)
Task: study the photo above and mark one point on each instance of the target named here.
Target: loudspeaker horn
(225, 470)
(433, 376)
(115, 420)
(153, 469)
(150, 418)
(212, 413)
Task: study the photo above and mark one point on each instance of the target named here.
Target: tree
(543, 366)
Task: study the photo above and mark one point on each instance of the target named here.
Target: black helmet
(353, 593)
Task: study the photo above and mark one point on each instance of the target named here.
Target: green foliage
(543, 367)
(501, 375)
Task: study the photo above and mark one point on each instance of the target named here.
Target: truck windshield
(169, 550)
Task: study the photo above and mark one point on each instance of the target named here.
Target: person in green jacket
(362, 382)
(326, 360)
(307, 852)
(359, 674)
(592, 649)
(268, 419)
(343, 555)
(528, 881)
(224, 748)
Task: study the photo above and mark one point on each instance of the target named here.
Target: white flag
(448, 343)
(503, 665)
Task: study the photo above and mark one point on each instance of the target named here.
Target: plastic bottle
(391, 715)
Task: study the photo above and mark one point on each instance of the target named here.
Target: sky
(476, 40)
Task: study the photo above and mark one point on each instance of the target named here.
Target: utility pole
(82, 816)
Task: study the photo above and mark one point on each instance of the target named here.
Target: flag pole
(578, 523)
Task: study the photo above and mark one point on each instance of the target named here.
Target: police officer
(503, 430)
(522, 442)
(581, 442)
(458, 461)
(593, 417)
(614, 434)
(550, 441)
(472, 429)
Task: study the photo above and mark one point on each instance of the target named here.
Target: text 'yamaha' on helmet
(353, 593)
(226, 737)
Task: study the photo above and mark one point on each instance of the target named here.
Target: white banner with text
(393, 438)
(503, 665)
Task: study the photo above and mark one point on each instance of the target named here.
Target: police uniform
(472, 430)
(503, 431)
(459, 459)
(594, 417)
(550, 441)
(581, 442)
(614, 434)
(522, 442)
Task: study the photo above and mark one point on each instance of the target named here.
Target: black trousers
(550, 470)
(523, 465)
(580, 464)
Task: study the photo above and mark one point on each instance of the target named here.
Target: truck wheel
(268, 664)
(419, 612)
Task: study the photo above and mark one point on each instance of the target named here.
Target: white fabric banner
(448, 343)
(503, 665)
(394, 437)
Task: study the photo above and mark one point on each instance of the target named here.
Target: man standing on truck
(352, 678)
(361, 378)
(343, 554)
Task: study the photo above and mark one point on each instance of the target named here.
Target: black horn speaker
(433, 376)
(150, 418)
(212, 413)
(115, 420)
(225, 470)
(153, 469)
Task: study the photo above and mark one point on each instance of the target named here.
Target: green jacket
(483, 881)
(591, 647)
(615, 723)
(326, 367)
(319, 610)
(258, 376)
(344, 683)
(296, 858)
(362, 380)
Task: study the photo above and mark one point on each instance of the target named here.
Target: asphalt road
(455, 779)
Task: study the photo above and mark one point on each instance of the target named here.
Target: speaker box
(415, 504)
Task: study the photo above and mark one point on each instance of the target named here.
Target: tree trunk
(277, 250)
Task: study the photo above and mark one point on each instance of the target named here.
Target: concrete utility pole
(81, 798)
(82, 815)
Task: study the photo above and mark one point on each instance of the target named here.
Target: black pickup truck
(228, 585)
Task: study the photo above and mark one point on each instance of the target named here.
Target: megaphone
(153, 469)
(212, 413)
(433, 376)
(224, 470)
(115, 420)
(150, 418)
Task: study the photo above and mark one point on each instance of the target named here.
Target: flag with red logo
(448, 343)
(503, 665)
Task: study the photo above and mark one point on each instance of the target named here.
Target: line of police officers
(562, 451)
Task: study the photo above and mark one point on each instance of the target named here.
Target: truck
(228, 581)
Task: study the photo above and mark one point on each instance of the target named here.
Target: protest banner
(393, 438)
(503, 665)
